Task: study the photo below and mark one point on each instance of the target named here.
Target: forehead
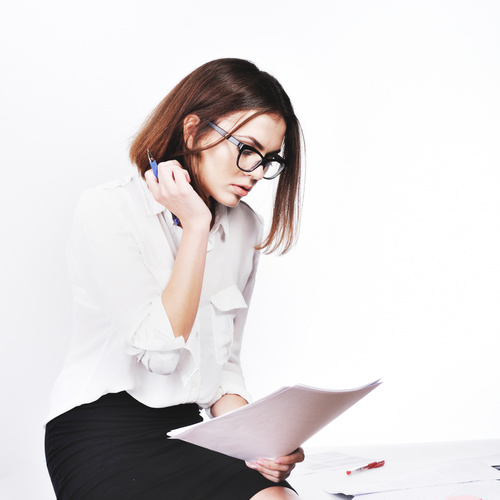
(267, 129)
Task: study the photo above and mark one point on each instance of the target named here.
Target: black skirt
(117, 448)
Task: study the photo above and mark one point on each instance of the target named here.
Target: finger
(181, 176)
(151, 180)
(295, 457)
(166, 171)
(274, 476)
(271, 465)
(170, 165)
(171, 172)
(274, 479)
(277, 474)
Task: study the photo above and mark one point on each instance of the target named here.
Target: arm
(227, 403)
(181, 296)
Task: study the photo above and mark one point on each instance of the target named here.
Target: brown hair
(215, 90)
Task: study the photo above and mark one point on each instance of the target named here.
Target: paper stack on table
(439, 481)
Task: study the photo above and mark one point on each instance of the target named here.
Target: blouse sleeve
(111, 281)
(232, 381)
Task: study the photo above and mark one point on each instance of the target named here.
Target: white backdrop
(396, 274)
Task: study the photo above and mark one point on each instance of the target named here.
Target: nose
(257, 174)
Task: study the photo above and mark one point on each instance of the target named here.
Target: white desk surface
(16, 487)
(416, 456)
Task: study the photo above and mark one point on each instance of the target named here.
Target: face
(220, 177)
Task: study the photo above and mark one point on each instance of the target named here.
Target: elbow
(160, 363)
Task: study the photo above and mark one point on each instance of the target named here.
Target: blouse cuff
(156, 334)
(156, 347)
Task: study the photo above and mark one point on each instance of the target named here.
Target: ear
(190, 124)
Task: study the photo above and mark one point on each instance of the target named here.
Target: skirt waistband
(123, 410)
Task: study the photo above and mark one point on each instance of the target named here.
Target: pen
(152, 163)
(373, 465)
(154, 168)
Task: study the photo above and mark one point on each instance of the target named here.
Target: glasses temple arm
(224, 134)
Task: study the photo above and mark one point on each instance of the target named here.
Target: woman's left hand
(279, 469)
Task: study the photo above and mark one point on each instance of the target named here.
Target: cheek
(218, 165)
(221, 163)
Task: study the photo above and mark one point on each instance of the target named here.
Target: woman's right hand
(173, 190)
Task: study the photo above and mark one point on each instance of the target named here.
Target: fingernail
(251, 465)
(260, 462)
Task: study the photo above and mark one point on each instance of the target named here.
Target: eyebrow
(258, 145)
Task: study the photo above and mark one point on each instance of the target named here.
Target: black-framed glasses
(249, 158)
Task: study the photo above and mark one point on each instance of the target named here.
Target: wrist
(199, 224)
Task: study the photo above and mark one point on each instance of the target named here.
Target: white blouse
(121, 254)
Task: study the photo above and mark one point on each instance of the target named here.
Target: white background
(396, 274)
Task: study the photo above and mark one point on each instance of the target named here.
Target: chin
(231, 204)
(228, 201)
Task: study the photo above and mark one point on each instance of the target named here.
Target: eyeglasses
(249, 158)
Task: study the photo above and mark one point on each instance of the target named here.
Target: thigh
(276, 493)
(114, 449)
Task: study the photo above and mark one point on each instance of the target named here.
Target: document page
(275, 425)
(330, 460)
(390, 478)
(484, 490)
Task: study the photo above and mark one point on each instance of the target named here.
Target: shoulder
(110, 207)
(119, 196)
(105, 195)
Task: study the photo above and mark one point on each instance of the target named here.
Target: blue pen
(152, 163)
(154, 168)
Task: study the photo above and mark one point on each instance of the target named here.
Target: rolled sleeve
(155, 333)
(154, 343)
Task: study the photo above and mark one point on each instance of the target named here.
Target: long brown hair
(215, 90)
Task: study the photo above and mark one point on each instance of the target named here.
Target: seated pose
(162, 265)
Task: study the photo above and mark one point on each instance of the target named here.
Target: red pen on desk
(373, 465)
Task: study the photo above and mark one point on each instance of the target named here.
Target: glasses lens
(273, 169)
(248, 159)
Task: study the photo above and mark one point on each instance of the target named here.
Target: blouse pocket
(225, 305)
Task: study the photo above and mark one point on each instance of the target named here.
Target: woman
(163, 270)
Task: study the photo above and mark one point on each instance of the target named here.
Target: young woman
(163, 270)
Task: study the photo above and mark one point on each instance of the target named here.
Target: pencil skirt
(117, 448)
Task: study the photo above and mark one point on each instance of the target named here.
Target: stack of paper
(275, 425)
(460, 477)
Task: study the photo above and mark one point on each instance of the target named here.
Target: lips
(241, 190)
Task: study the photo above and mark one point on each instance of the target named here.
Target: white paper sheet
(275, 425)
(330, 460)
(386, 479)
(484, 490)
